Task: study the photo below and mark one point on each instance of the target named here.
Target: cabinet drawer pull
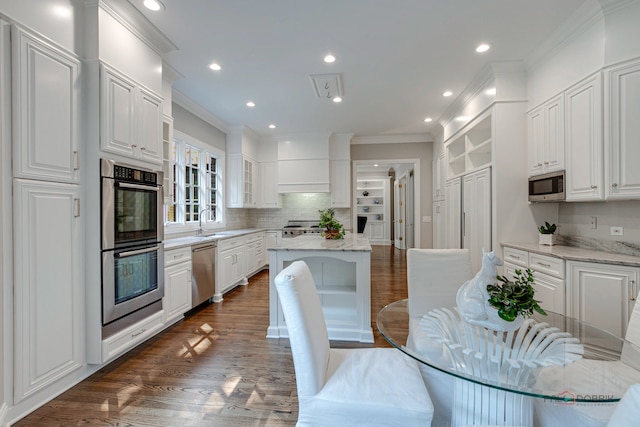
(544, 265)
(77, 206)
(514, 256)
(546, 163)
(594, 186)
(142, 331)
(538, 164)
(76, 161)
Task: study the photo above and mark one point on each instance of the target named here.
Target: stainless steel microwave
(547, 188)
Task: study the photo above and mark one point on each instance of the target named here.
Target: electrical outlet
(426, 219)
(594, 222)
(617, 231)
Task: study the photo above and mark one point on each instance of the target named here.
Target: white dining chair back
(628, 411)
(434, 277)
(345, 387)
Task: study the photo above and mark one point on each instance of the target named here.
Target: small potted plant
(332, 227)
(513, 300)
(547, 234)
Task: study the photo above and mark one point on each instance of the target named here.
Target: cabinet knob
(546, 163)
(538, 164)
(614, 185)
(594, 186)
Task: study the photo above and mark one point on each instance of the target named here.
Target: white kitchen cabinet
(272, 239)
(622, 131)
(453, 213)
(373, 202)
(584, 145)
(439, 177)
(49, 286)
(476, 215)
(340, 183)
(167, 160)
(230, 268)
(269, 196)
(46, 108)
(602, 294)
(255, 253)
(548, 275)
(130, 117)
(241, 175)
(545, 125)
(177, 284)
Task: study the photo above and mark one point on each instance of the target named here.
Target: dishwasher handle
(202, 248)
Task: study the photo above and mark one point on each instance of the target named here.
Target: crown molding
(612, 6)
(197, 110)
(393, 139)
(169, 73)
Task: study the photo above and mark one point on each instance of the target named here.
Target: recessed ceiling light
(329, 59)
(490, 91)
(428, 120)
(272, 126)
(251, 104)
(337, 99)
(447, 93)
(215, 67)
(375, 165)
(153, 5)
(482, 48)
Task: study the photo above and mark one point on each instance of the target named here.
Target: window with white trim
(197, 184)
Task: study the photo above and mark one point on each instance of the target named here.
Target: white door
(453, 213)
(476, 215)
(409, 212)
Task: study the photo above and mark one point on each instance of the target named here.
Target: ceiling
(395, 57)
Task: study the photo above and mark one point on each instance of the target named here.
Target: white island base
(341, 270)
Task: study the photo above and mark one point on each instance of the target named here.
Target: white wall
(187, 122)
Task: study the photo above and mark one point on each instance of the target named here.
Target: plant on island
(514, 298)
(332, 227)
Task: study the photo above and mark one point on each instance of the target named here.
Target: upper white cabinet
(46, 103)
(471, 150)
(584, 146)
(622, 131)
(546, 137)
(269, 196)
(241, 178)
(131, 117)
(49, 293)
(340, 183)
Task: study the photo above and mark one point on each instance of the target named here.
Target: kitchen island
(341, 270)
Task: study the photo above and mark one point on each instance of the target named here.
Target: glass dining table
(569, 369)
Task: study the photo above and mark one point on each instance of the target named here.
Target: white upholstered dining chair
(345, 387)
(433, 279)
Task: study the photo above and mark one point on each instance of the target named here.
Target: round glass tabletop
(552, 357)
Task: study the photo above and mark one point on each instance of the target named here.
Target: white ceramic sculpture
(472, 298)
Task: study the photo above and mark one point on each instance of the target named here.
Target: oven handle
(138, 252)
(138, 187)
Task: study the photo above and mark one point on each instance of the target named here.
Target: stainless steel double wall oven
(132, 249)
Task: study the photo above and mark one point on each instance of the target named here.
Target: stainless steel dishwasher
(203, 267)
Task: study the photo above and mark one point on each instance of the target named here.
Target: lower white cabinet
(49, 292)
(272, 238)
(548, 274)
(602, 294)
(177, 284)
(476, 214)
(255, 253)
(230, 265)
(374, 231)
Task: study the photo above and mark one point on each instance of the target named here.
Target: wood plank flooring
(215, 368)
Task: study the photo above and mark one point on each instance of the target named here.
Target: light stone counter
(574, 253)
(341, 271)
(179, 242)
(351, 242)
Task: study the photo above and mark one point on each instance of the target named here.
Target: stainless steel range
(299, 227)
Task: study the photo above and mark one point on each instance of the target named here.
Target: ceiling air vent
(327, 86)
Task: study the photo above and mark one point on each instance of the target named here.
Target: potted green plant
(332, 227)
(547, 234)
(514, 300)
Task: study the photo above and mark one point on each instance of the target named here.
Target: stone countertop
(179, 242)
(351, 242)
(574, 253)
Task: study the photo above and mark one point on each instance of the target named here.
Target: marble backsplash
(611, 246)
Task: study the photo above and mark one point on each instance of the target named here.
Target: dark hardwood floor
(214, 368)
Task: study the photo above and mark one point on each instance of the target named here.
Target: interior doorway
(393, 170)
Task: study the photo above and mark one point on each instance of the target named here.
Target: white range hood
(303, 163)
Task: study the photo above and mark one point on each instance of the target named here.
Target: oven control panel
(124, 173)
